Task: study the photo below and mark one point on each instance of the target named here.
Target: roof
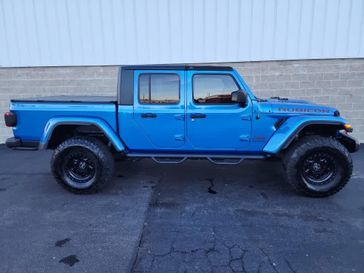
(177, 67)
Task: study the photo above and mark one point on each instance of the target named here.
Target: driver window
(213, 89)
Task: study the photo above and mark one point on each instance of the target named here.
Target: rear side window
(213, 89)
(159, 88)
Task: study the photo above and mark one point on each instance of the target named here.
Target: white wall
(99, 32)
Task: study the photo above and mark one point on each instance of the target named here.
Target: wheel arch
(296, 127)
(60, 128)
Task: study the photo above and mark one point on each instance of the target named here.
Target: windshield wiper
(278, 98)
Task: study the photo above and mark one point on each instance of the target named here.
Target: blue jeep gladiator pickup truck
(171, 113)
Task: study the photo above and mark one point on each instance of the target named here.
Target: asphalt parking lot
(193, 217)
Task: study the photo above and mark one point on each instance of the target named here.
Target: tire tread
(99, 149)
(298, 149)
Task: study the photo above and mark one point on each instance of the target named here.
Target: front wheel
(318, 166)
(82, 164)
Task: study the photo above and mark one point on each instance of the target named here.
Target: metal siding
(106, 32)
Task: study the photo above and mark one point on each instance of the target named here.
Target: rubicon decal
(305, 110)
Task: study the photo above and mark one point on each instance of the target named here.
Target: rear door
(159, 107)
(214, 122)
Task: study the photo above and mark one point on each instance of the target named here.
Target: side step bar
(225, 161)
(164, 160)
(178, 158)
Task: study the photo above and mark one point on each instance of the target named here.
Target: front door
(159, 107)
(214, 122)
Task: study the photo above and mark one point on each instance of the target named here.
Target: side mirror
(240, 97)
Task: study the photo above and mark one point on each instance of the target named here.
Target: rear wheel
(82, 164)
(318, 166)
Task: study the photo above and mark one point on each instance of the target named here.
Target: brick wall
(339, 83)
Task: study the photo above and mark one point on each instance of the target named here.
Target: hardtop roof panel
(177, 67)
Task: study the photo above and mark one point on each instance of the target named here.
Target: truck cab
(184, 110)
(172, 113)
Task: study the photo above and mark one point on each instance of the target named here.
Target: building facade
(311, 49)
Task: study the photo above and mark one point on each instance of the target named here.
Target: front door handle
(149, 115)
(198, 115)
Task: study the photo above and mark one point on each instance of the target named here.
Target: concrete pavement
(43, 228)
(193, 217)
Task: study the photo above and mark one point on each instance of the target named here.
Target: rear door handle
(198, 115)
(149, 115)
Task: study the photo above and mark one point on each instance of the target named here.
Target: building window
(213, 89)
(159, 88)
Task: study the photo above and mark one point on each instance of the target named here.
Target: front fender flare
(101, 124)
(292, 126)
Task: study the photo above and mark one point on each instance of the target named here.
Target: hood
(292, 106)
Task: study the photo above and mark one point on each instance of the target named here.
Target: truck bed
(70, 99)
(33, 114)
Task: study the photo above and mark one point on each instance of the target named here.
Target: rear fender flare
(101, 124)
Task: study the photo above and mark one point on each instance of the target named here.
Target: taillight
(10, 119)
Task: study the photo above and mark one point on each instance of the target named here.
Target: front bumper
(16, 143)
(349, 142)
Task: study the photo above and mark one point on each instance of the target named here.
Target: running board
(225, 161)
(169, 160)
(179, 158)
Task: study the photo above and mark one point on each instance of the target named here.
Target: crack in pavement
(215, 255)
(236, 261)
(141, 240)
(210, 190)
(240, 258)
(269, 260)
(290, 266)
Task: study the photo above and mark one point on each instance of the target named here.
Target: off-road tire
(100, 159)
(296, 155)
